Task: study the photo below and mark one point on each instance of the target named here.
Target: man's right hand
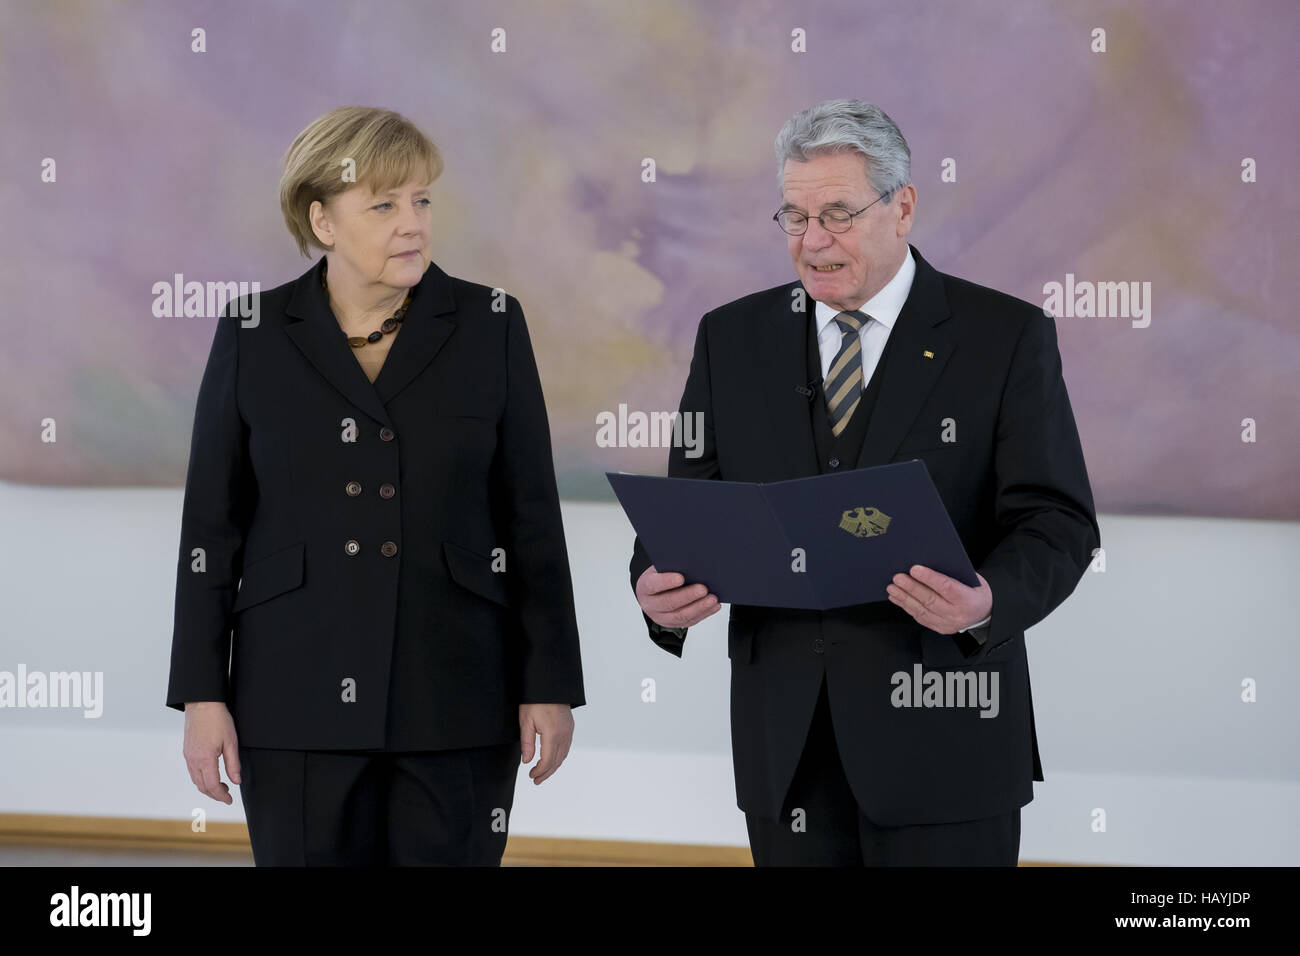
(670, 602)
(209, 734)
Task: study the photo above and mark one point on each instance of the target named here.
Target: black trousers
(838, 833)
(372, 808)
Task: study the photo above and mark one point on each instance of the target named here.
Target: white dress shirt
(884, 308)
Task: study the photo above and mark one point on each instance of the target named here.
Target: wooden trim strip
(144, 834)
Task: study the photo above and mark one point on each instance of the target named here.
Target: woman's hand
(555, 723)
(210, 733)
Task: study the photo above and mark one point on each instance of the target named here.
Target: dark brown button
(387, 434)
(353, 488)
(351, 547)
(388, 548)
(386, 490)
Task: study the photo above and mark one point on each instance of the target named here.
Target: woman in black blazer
(371, 465)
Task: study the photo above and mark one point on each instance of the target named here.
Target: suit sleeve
(1043, 500)
(696, 397)
(536, 553)
(220, 494)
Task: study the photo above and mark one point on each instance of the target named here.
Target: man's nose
(817, 236)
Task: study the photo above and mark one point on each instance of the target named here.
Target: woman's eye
(382, 205)
(427, 202)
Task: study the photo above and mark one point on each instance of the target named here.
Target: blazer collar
(908, 377)
(316, 332)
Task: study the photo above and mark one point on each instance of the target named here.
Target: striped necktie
(844, 381)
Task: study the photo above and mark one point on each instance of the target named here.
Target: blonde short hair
(386, 149)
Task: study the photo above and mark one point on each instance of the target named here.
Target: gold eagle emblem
(865, 522)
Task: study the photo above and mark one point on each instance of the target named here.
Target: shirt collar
(885, 305)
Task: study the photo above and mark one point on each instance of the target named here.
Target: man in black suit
(873, 356)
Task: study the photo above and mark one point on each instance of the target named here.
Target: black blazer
(359, 522)
(1015, 485)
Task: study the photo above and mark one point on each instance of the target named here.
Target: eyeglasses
(833, 220)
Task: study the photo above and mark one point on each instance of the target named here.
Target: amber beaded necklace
(386, 327)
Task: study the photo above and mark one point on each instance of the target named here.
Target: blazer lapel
(780, 361)
(315, 331)
(427, 333)
(910, 373)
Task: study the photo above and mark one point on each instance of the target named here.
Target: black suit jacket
(1015, 485)
(359, 522)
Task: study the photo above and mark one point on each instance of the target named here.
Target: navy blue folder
(857, 529)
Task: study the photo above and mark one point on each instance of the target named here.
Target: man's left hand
(939, 602)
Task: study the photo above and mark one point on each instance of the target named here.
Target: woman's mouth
(407, 255)
(832, 268)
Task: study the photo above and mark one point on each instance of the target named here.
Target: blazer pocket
(940, 651)
(270, 576)
(472, 416)
(903, 454)
(473, 571)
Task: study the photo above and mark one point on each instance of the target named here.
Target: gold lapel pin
(928, 354)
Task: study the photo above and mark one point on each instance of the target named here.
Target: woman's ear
(320, 224)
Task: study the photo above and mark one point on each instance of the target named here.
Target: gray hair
(836, 126)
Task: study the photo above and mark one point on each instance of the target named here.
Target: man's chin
(822, 286)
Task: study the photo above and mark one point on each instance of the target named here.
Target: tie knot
(851, 321)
